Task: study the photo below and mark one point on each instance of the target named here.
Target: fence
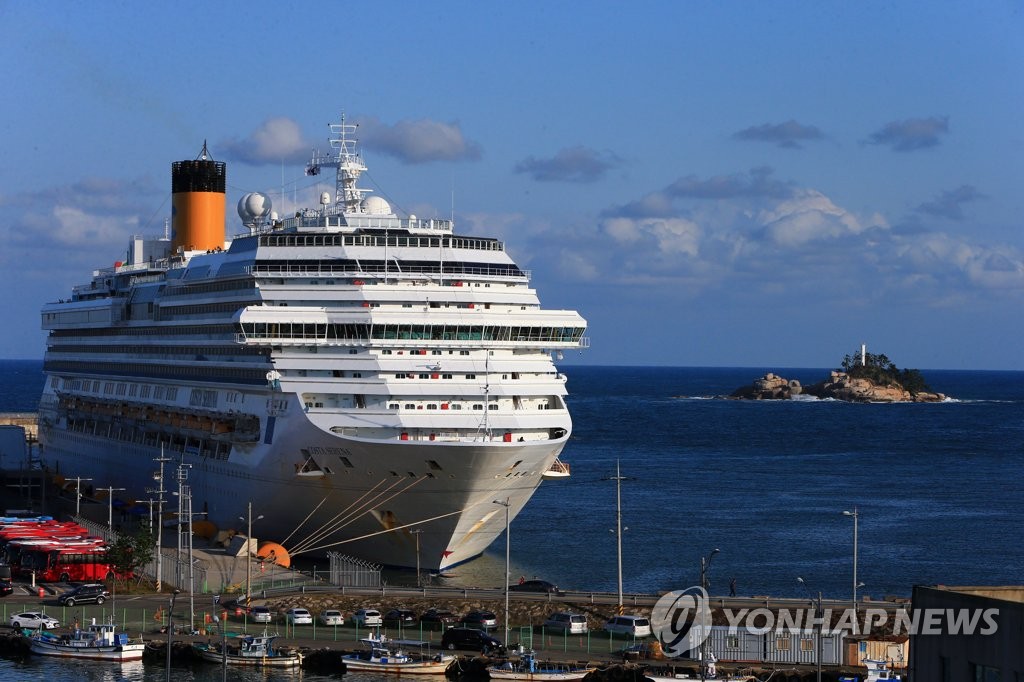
(348, 571)
(173, 569)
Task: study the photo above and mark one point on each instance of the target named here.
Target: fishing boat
(255, 651)
(96, 642)
(530, 669)
(381, 658)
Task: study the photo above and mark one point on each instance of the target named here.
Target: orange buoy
(275, 553)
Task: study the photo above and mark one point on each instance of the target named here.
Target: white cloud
(277, 139)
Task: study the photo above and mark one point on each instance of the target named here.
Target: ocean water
(939, 488)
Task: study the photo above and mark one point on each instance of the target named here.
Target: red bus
(64, 563)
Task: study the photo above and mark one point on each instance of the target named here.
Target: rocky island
(863, 378)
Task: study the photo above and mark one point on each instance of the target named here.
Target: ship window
(346, 461)
(446, 376)
(392, 406)
(424, 376)
(429, 475)
(411, 474)
(394, 473)
(478, 406)
(456, 406)
(463, 352)
(386, 351)
(518, 462)
(471, 376)
(431, 406)
(410, 406)
(433, 465)
(492, 406)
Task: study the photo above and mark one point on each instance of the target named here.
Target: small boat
(96, 642)
(558, 469)
(529, 668)
(255, 651)
(382, 656)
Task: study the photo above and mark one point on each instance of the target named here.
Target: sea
(938, 488)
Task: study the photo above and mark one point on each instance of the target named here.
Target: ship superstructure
(361, 378)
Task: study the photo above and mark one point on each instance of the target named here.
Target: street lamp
(248, 556)
(705, 563)
(619, 478)
(818, 615)
(110, 506)
(506, 504)
(170, 632)
(855, 516)
(417, 534)
(78, 494)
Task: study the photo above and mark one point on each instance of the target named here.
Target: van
(570, 623)
(634, 626)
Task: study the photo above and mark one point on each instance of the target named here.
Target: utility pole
(158, 476)
(248, 555)
(618, 478)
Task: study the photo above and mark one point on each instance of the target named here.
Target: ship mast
(348, 162)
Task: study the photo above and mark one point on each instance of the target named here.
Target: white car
(299, 616)
(368, 618)
(332, 617)
(261, 614)
(33, 619)
(634, 626)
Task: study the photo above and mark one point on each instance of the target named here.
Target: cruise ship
(371, 384)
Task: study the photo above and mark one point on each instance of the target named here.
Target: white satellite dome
(376, 206)
(252, 206)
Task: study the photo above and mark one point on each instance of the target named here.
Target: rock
(838, 386)
(768, 387)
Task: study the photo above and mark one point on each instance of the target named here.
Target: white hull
(410, 668)
(349, 502)
(51, 645)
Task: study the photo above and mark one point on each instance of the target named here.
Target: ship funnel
(198, 196)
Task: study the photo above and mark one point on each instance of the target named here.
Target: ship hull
(364, 498)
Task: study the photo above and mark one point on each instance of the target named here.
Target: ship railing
(422, 272)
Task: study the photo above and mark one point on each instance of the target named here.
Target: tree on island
(879, 369)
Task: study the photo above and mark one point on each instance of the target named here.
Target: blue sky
(708, 183)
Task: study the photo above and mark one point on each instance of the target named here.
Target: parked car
(483, 620)
(91, 593)
(369, 618)
(403, 617)
(6, 588)
(33, 619)
(332, 617)
(535, 586)
(261, 614)
(634, 626)
(469, 639)
(570, 623)
(297, 616)
(438, 619)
